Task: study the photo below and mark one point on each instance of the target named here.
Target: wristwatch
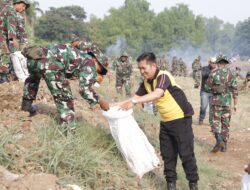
(134, 101)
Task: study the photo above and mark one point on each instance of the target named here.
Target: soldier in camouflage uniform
(222, 84)
(124, 70)
(9, 33)
(196, 66)
(183, 68)
(175, 66)
(57, 63)
(162, 64)
(247, 80)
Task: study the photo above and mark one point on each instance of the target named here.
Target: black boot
(219, 143)
(224, 149)
(193, 186)
(3, 79)
(27, 106)
(171, 185)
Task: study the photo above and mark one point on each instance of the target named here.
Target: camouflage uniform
(57, 64)
(124, 71)
(183, 68)
(8, 29)
(21, 31)
(163, 64)
(196, 66)
(175, 66)
(223, 85)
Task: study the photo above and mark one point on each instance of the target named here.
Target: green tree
(31, 16)
(132, 21)
(242, 38)
(176, 26)
(219, 35)
(58, 24)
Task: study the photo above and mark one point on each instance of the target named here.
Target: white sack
(245, 182)
(20, 65)
(131, 141)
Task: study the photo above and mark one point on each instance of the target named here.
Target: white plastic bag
(20, 65)
(131, 141)
(245, 182)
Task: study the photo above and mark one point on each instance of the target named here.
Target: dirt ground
(10, 115)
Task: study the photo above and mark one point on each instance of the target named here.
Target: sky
(231, 11)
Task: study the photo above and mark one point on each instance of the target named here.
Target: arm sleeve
(21, 30)
(11, 25)
(163, 82)
(234, 87)
(87, 77)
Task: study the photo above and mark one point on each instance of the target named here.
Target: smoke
(118, 48)
(188, 53)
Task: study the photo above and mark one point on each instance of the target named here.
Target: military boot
(27, 106)
(193, 186)
(171, 185)
(3, 79)
(219, 143)
(224, 149)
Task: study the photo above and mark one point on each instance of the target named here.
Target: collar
(155, 75)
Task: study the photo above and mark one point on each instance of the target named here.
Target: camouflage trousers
(58, 86)
(120, 82)
(175, 72)
(197, 78)
(220, 123)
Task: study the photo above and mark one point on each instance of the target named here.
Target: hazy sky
(228, 10)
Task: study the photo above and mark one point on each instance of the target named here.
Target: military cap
(26, 2)
(222, 59)
(74, 38)
(212, 60)
(101, 58)
(124, 54)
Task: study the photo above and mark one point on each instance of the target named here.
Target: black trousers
(177, 139)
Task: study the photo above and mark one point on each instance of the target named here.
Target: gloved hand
(104, 104)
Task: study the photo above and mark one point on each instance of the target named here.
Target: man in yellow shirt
(176, 134)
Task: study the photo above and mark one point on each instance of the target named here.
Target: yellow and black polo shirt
(173, 104)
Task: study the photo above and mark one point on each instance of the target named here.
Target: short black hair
(148, 56)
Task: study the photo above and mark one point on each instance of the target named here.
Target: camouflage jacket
(223, 85)
(196, 66)
(8, 25)
(123, 69)
(21, 31)
(162, 64)
(74, 63)
(175, 64)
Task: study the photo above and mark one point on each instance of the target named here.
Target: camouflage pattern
(196, 67)
(183, 68)
(175, 66)
(88, 47)
(61, 63)
(7, 34)
(124, 71)
(21, 31)
(162, 63)
(222, 84)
